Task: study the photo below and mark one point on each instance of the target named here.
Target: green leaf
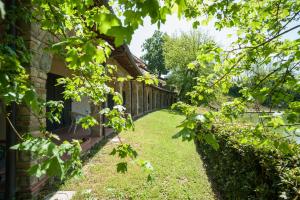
(196, 24)
(121, 34)
(284, 148)
(2, 10)
(191, 66)
(105, 21)
(149, 178)
(181, 6)
(87, 122)
(15, 147)
(55, 168)
(113, 152)
(122, 167)
(211, 140)
(276, 122)
(185, 134)
(36, 170)
(31, 100)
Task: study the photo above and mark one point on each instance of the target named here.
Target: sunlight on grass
(178, 169)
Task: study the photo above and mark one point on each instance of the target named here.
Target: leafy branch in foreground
(75, 31)
(52, 162)
(262, 64)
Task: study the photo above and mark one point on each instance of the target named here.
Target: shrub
(248, 165)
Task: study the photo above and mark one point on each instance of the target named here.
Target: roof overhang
(123, 55)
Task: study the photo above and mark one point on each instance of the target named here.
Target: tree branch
(14, 129)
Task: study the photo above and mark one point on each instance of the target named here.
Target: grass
(178, 169)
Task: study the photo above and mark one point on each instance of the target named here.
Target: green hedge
(247, 166)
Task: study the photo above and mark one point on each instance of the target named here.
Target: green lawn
(178, 169)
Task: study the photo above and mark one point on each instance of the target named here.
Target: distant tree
(179, 51)
(153, 48)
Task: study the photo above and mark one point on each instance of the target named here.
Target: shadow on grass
(170, 111)
(210, 176)
(206, 166)
(54, 184)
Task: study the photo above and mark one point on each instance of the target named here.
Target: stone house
(44, 69)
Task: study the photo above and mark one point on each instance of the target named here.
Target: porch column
(131, 97)
(126, 93)
(155, 99)
(150, 98)
(137, 98)
(144, 98)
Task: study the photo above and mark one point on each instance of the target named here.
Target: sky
(172, 26)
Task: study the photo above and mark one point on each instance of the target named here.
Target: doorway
(55, 93)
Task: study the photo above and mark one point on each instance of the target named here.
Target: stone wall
(28, 186)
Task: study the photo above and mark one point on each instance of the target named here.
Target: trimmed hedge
(247, 166)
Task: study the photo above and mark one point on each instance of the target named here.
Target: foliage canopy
(153, 48)
(180, 52)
